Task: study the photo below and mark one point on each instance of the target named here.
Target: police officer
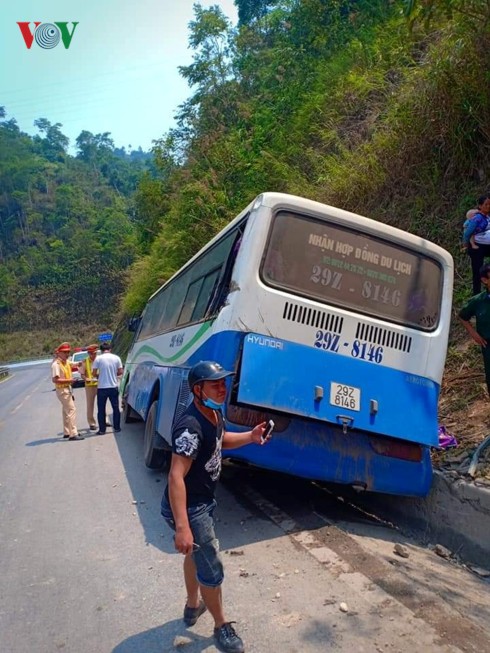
(62, 379)
(90, 379)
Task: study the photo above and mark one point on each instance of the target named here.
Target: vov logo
(47, 35)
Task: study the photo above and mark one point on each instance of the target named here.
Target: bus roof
(369, 225)
(317, 209)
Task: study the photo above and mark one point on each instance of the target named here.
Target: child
(477, 224)
(472, 226)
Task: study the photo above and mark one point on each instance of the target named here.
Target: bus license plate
(345, 396)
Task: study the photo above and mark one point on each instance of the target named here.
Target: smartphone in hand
(268, 431)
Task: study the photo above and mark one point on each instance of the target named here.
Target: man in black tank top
(188, 502)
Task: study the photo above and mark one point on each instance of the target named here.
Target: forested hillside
(67, 227)
(376, 106)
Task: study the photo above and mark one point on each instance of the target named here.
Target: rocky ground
(464, 410)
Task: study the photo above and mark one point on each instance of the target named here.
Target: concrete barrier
(456, 513)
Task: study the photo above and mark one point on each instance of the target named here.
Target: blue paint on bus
(313, 445)
(294, 371)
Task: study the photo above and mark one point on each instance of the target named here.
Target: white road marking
(14, 410)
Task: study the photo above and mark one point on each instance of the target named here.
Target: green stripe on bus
(150, 350)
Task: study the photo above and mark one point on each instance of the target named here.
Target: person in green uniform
(478, 307)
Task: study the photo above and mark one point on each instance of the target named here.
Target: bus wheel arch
(156, 457)
(128, 414)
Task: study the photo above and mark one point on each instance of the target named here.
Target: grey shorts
(207, 557)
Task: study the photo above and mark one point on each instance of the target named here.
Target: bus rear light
(397, 449)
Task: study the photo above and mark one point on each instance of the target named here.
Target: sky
(119, 74)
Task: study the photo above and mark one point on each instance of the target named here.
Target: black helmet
(206, 371)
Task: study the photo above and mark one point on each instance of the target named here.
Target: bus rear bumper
(323, 453)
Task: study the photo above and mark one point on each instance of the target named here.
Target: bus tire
(128, 414)
(155, 458)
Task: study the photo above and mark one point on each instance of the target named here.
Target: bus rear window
(341, 266)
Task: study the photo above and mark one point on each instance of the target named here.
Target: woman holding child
(476, 238)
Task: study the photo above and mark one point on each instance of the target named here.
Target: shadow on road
(294, 505)
(307, 505)
(87, 434)
(151, 641)
(37, 443)
(147, 487)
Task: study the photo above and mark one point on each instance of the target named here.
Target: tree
(54, 144)
(250, 10)
(473, 11)
(209, 40)
(66, 224)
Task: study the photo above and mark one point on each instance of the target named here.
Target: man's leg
(69, 412)
(64, 415)
(212, 598)
(477, 257)
(72, 414)
(191, 582)
(486, 364)
(101, 402)
(90, 394)
(116, 413)
(204, 566)
(66, 432)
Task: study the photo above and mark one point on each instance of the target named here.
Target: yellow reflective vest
(90, 380)
(66, 369)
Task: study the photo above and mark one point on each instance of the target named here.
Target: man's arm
(235, 440)
(57, 379)
(480, 340)
(95, 368)
(179, 468)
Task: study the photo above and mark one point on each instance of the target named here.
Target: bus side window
(221, 289)
(177, 291)
(190, 302)
(207, 291)
(150, 316)
(134, 323)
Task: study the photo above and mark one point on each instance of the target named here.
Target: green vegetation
(378, 107)
(29, 345)
(67, 233)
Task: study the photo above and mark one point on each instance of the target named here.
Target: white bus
(336, 327)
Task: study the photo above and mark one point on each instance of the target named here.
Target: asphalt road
(87, 564)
